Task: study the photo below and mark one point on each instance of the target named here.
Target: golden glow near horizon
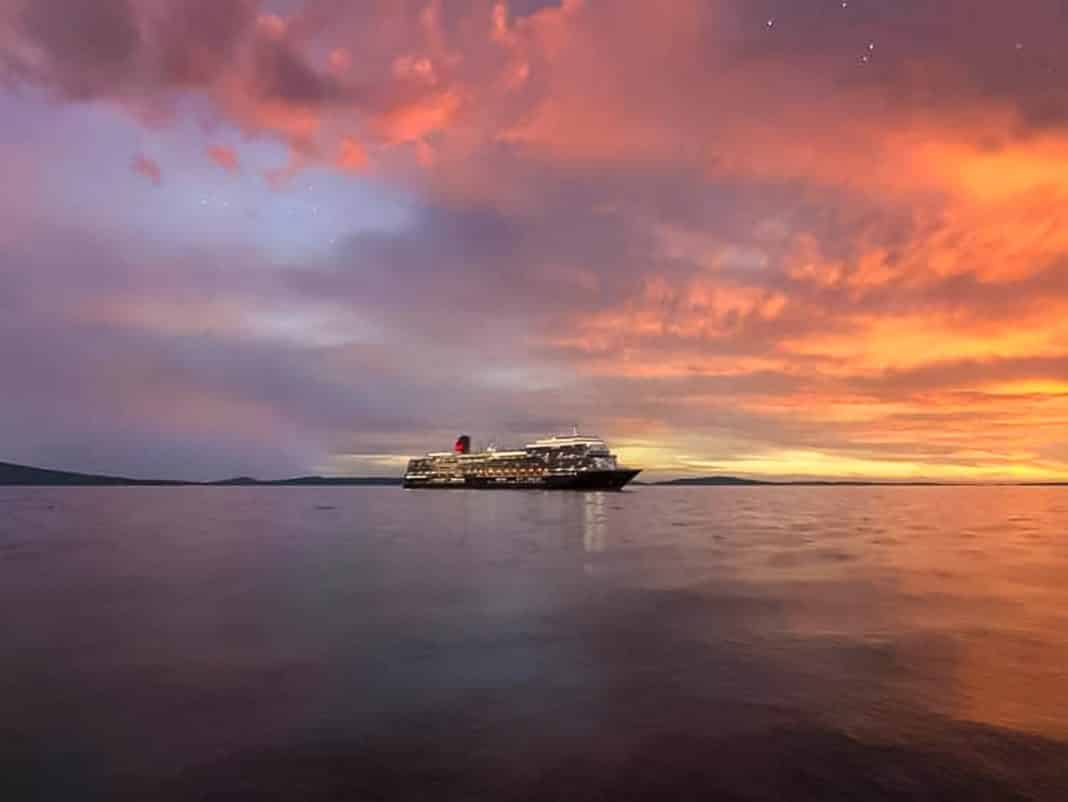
(814, 464)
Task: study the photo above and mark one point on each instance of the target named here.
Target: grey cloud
(92, 46)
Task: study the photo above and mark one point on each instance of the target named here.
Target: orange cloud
(411, 121)
(225, 157)
(149, 168)
(352, 156)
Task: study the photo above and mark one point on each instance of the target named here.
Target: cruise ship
(561, 462)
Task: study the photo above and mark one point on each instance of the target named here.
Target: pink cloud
(149, 168)
(352, 156)
(225, 157)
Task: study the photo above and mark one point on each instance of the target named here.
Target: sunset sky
(759, 237)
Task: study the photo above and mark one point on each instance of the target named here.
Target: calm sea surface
(662, 643)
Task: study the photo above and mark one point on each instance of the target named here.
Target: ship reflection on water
(663, 643)
(593, 522)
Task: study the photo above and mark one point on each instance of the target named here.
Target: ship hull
(593, 480)
(585, 480)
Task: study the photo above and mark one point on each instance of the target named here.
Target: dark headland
(25, 476)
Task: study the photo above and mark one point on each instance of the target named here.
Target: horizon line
(73, 477)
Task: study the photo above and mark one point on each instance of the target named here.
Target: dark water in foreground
(697, 643)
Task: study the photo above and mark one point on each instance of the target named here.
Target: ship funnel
(463, 444)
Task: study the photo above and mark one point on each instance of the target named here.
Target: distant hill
(26, 476)
(319, 481)
(711, 480)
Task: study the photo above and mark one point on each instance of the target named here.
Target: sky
(788, 238)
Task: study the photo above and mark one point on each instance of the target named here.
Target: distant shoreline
(12, 475)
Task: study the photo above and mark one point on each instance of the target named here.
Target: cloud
(80, 48)
(351, 155)
(225, 157)
(198, 41)
(142, 165)
(826, 246)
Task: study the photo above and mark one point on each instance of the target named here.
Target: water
(662, 643)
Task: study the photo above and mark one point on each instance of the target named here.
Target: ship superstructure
(561, 462)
